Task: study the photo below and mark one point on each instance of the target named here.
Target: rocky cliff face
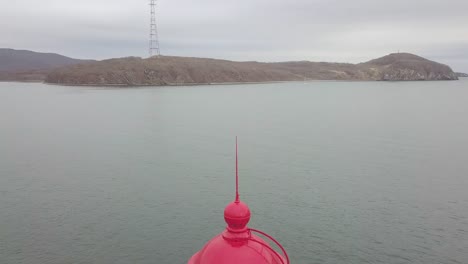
(164, 70)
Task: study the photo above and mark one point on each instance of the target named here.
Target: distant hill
(24, 60)
(30, 65)
(460, 74)
(409, 67)
(167, 70)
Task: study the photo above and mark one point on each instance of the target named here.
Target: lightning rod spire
(237, 174)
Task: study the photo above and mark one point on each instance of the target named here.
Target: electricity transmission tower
(153, 36)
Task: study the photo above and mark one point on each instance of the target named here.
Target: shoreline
(224, 83)
(205, 84)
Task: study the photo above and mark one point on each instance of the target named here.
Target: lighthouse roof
(237, 244)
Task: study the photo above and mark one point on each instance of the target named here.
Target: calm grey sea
(339, 172)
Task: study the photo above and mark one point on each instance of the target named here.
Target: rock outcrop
(167, 70)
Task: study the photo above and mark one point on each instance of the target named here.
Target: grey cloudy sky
(265, 30)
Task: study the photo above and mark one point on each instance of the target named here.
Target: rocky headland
(168, 70)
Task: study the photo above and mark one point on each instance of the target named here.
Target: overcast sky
(264, 30)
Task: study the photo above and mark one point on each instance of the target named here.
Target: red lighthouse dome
(238, 244)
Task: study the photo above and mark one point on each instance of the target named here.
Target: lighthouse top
(238, 243)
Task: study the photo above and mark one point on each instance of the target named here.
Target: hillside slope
(408, 67)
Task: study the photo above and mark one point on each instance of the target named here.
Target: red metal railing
(269, 247)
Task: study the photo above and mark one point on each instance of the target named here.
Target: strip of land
(170, 70)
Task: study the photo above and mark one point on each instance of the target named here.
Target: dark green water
(339, 172)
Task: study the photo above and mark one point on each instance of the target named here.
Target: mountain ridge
(26, 65)
(13, 60)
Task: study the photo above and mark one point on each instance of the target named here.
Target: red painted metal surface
(237, 244)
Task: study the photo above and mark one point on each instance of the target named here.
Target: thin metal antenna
(237, 174)
(153, 35)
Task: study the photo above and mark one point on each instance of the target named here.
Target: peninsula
(17, 65)
(166, 70)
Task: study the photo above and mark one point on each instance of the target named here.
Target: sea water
(338, 172)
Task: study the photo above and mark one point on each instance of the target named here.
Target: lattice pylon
(153, 35)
